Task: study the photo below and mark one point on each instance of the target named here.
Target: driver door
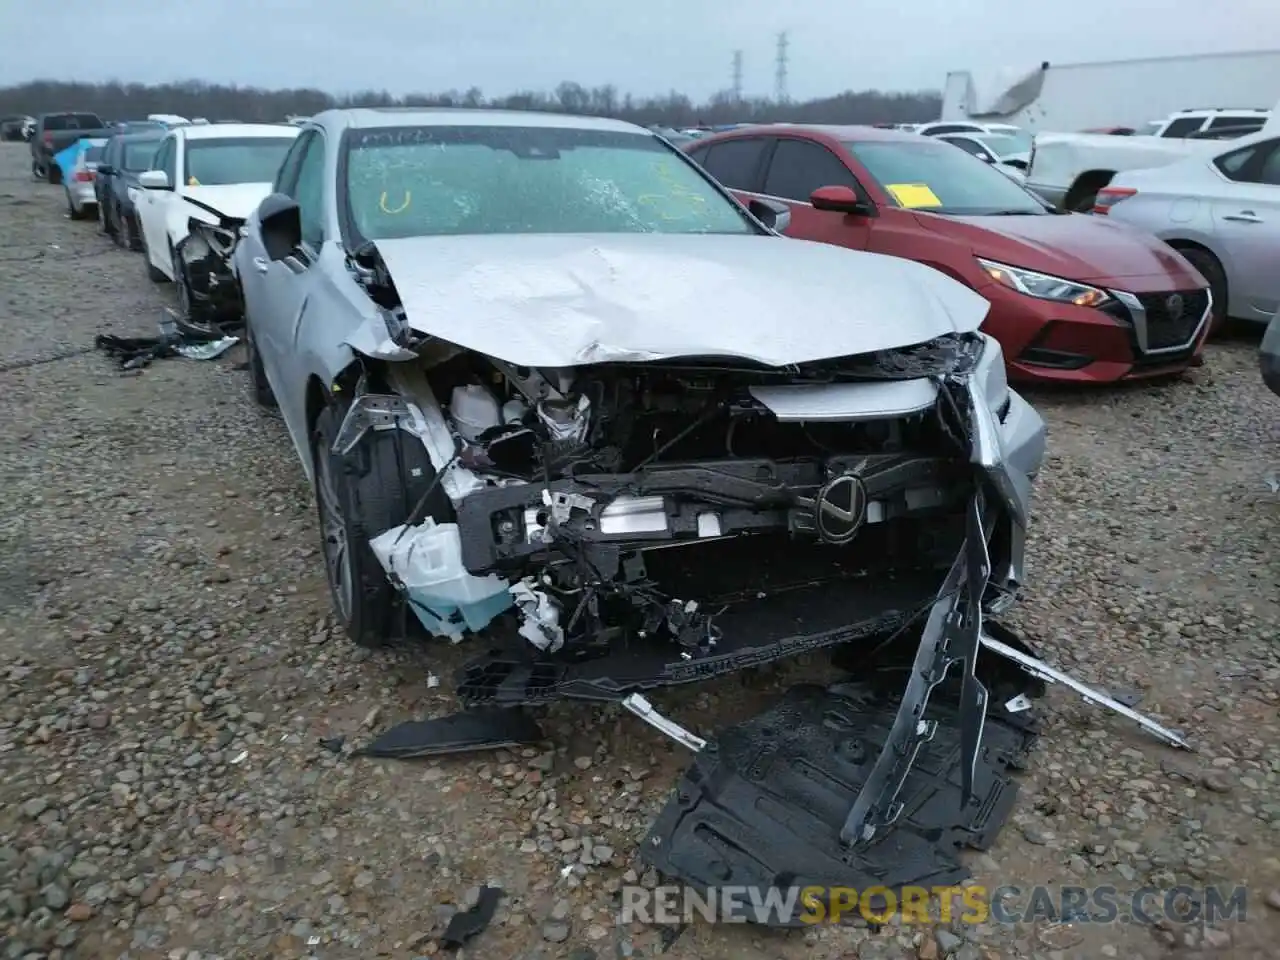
(254, 268)
(153, 207)
(1246, 219)
(284, 285)
(799, 167)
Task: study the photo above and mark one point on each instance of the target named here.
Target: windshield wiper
(1014, 213)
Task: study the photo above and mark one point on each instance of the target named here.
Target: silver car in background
(1222, 212)
(80, 181)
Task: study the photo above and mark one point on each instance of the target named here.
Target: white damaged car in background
(563, 398)
(205, 181)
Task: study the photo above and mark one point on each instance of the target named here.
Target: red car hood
(1073, 246)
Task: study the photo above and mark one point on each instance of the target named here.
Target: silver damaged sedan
(554, 385)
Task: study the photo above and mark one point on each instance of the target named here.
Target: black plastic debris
(465, 925)
(134, 353)
(177, 338)
(753, 632)
(484, 729)
(764, 804)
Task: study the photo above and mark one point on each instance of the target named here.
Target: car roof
(847, 132)
(225, 131)
(367, 117)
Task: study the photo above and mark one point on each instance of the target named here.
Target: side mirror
(838, 200)
(105, 169)
(773, 214)
(280, 224)
(154, 180)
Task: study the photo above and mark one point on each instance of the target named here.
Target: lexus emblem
(840, 509)
(1175, 305)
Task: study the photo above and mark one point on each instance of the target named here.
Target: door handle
(1244, 216)
(261, 265)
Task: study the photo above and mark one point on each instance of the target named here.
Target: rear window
(1235, 122)
(1183, 126)
(234, 160)
(138, 156)
(72, 121)
(94, 155)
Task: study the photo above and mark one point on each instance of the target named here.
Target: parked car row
(552, 343)
(534, 289)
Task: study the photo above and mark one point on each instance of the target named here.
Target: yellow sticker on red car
(913, 195)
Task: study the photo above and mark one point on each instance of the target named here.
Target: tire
(153, 273)
(119, 232)
(374, 488)
(132, 233)
(259, 387)
(53, 174)
(72, 212)
(1211, 270)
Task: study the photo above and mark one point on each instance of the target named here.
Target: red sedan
(1073, 297)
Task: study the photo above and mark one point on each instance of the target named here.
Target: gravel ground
(168, 666)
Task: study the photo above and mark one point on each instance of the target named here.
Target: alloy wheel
(333, 530)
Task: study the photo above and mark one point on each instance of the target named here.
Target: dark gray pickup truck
(57, 131)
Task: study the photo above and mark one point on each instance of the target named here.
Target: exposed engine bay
(581, 481)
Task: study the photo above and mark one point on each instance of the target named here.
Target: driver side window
(308, 190)
(968, 146)
(287, 175)
(168, 160)
(160, 163)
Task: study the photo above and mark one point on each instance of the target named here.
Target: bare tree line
(195, 98)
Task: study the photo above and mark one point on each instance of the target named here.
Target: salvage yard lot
(169, 668)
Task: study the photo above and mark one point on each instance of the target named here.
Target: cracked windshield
(432, 181)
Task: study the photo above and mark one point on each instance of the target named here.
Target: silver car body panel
(568, 300)
(1192, 201)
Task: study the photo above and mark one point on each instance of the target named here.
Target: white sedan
(1220, 210)
(1006, 152)
(215, 174)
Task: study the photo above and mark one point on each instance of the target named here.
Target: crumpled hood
(1073, 246)
(233, 199)
(566, 300)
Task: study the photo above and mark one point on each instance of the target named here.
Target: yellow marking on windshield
(913, 195)
(382, 203)
(680, 193)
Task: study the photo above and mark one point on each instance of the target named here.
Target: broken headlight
(1044, 286)
(205, 238)
(990, 374)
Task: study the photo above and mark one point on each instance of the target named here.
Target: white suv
(1185, 123)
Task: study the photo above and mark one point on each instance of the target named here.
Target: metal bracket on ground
(1043, 671)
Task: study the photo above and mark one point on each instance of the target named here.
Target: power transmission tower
(780, 77)
(737, 76)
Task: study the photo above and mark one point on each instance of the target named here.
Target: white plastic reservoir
(474, 409)
(446, 598)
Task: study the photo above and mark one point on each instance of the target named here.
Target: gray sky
(642, 48)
